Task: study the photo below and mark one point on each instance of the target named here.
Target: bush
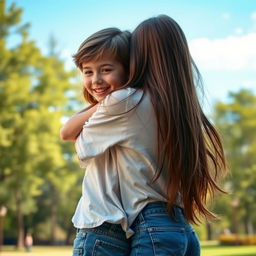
(235, 239)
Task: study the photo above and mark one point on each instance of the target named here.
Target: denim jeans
(158, 234)
(105, 240)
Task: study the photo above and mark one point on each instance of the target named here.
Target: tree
(17, 109)
(237, 121)
(33, 90)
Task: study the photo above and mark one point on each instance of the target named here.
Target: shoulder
(127, 95)
(121, 101)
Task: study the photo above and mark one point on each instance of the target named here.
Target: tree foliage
(237, 121)
(37, 171)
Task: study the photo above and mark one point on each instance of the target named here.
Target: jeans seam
(81, 250)
(152, 241)
(142, 218)
(166, 228)
(105, 233)
(101, 242)
(93, 249)
(139, 246)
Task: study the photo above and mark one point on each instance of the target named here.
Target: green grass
(38, 251)
(208, 249)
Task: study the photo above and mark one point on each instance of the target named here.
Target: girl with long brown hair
(100, 220)
(189, 150)
(151, 155)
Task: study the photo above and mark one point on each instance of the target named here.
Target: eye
(106, 70)
(87, 72)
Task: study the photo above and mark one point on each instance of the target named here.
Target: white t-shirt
(117, 146)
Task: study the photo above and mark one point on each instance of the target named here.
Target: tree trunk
(20, 221)
(235, 222)
(253, 228)
(1, 232)
(209, 231)
(248, 228)
(246, 225)
(69, 234)
(53, 219)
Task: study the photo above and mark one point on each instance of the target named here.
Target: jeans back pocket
(168, 240)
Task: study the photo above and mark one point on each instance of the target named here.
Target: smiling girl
(103, 76)
(100, 219)
(103, 59)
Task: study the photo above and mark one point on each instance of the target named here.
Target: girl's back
(120, 159)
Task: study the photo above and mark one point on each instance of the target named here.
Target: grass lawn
(38, 251)
(208, 249)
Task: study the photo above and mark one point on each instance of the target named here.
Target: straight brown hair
(109, 41)
(189, 146)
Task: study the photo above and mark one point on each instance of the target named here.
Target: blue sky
(221, 33)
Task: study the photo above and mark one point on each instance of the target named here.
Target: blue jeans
(158, 234)
(105, 240)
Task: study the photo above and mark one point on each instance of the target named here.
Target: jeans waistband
(160, 208)
(109, 229)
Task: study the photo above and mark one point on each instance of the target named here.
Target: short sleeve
(107, 126)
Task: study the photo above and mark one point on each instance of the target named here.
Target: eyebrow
(105, 64)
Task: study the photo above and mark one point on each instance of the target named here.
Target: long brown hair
(188, 144)
(110, 41)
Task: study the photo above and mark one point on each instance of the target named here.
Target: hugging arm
(109, 126)
(72, 128)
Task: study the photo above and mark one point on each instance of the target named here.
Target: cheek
(117, 83)
(123, 78)
(120, 80)
(86, 84)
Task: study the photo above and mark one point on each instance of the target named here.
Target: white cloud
(249, 83)
(239, 31)
(225, 16)
(230, 53)
(253, 16)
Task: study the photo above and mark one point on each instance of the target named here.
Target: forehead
(105, 59)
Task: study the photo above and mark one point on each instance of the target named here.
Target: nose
(97, 79)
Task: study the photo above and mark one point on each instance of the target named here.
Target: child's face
(103, 76)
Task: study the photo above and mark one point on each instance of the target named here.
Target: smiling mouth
(101, 90)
